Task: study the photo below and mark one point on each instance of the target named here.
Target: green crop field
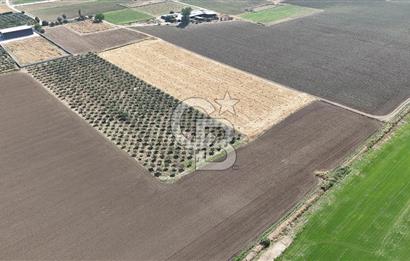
(368, 217)
(126, 16)
(278, 13)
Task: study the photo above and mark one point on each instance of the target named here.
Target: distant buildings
(195, 16)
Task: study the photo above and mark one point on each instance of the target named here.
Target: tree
(185, 12)
(59, 19)
(38, 28)
(99, 18)
(80, 15)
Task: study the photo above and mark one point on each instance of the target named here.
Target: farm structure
(136, 116)
(183, 74)
(88, 189)
(33, 50)
(195, 16)
(6, 62)
(15, 32)
(8, 20)
(96, 42)
(343, 54)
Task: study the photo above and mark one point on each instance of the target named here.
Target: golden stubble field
(88, 26)
(250, 103)
(33, 50)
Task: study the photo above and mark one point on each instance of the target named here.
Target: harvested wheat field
(88, 26)
(33, 50)
(255, 104)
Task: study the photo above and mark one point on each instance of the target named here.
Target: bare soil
(352, 53)
(96, 42)
(68, 193)
(184, 75)
(33, 50)
(4, 9)
(88, 26)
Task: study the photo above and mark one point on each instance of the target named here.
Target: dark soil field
(352, 53)
(67, 193)
(96, 42)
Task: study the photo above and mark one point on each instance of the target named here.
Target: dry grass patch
(184, 75)
(33, 50)
(4, 9)
(88, 26)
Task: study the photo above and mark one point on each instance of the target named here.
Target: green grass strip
(126, 16)
(368, 216)
(277, 13)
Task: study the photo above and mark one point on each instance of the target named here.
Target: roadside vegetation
(367, 216)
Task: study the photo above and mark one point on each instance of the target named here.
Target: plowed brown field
(183, 74)
(94, 42)
(67, 193)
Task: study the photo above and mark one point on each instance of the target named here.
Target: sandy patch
(88, 26)
(4, 9)
(33, 50)
(183, 74)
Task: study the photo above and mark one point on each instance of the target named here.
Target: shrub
(265, 243)
(99, 18)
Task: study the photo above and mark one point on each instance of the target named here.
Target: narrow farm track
(68, 193)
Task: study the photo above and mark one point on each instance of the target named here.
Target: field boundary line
(56, 44)
(384, 118)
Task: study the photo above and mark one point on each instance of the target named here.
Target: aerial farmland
(204, 130)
